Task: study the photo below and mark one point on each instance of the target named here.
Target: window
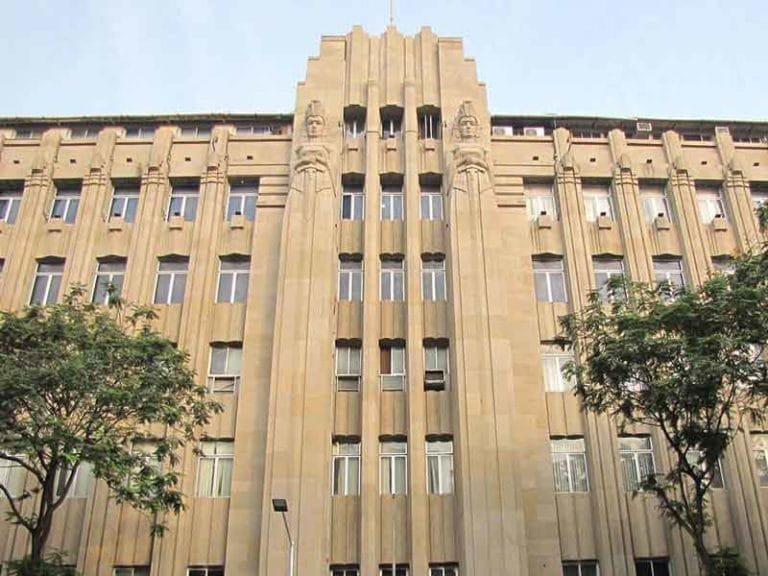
(695, 459)
(257, 129)
(12, 476)
(540, 201)
(669, 270)
(392, 203)
(351, 280)
(431, 204)
(552, 364)
(242, 200)
(83, 132)
(171, 281)
(125, 202)
(346, 467)
(759, 193)
(28, 133)
(605, 269)
(66, 202)
(724, 265)
(429, 124)
(443, 570)
(392, 285)
(195, 131)
(214, 468)
(440, 466)
(392, 367)
(345, 570)
(144, 132)
(183, 202)
(569, 462)
(354, 122)
(131, 571)
(436, 367)
(636, 453)
(710, 201)
(580, 568)
(45, 290)
(391, 122)
(233, 280)
(348, 368)
(760, 452)
(205, 571)
(352, 203)
(655, 202)
(652, 567)
(10, 200)
(110, 274)
(393, 570)
(393, 462)
(224, 367)
(549, 280)
(597, 202)
(433, 280)
(80, 485)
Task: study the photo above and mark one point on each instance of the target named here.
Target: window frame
(635, 484)
(434, 285)
(346, 467)
(758, 441)
(348, 380)
(598, 200)
(350, 283)
(580, 565)
(10, 203)
(130, 570)
(13, 476)
(655, 200)
(106, 277)
(220, 461)
(393, 358)
(67, 195)
(196, 570)
(175, 275)
(393, 455)
(434, 354)
(601, 268)
(353, 203)
(652, 562)
(392, 280)
(431, 205)
(537, 200)
(53, 280)
(440, 452)
(128, 197)
(392, 204)
(247, 195)
(710, 203)
(187, 194)
(549, 276)
(559, 359)
(668, 274)
(227, 381)
(571, 452)
(450, 569)
(235, 270)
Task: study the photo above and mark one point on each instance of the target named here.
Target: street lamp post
(281, 505)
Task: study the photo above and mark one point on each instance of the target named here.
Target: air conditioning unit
(533, 131)
(644, 127)
(722, 130)
(434, 380)
(348, 382)
(393, 382)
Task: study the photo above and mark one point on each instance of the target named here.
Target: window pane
(205, 477)
(241, 288)
(224, 478)
(162, 288)
(180, 282)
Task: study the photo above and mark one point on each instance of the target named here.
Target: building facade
(371, 287)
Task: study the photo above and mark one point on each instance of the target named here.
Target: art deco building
(371, 287)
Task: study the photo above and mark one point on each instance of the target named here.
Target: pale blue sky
(645, 58)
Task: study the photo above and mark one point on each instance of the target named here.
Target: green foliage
(685, 362)
(86, 384)
(52, 565)
(728, 562)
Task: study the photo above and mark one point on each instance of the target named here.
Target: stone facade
(343, 189)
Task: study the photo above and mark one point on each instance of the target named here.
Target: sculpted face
(315, 126)
(468, 127)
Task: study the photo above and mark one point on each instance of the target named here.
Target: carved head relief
(466, 121)
(314, 120)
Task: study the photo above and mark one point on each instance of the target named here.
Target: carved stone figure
(216, 149)
(315, 155)
(470, 159)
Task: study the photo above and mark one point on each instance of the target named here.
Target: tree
(687, 362)
(88, 386)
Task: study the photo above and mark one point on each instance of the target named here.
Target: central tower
(407, 425)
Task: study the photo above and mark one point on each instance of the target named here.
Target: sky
(628, 58)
